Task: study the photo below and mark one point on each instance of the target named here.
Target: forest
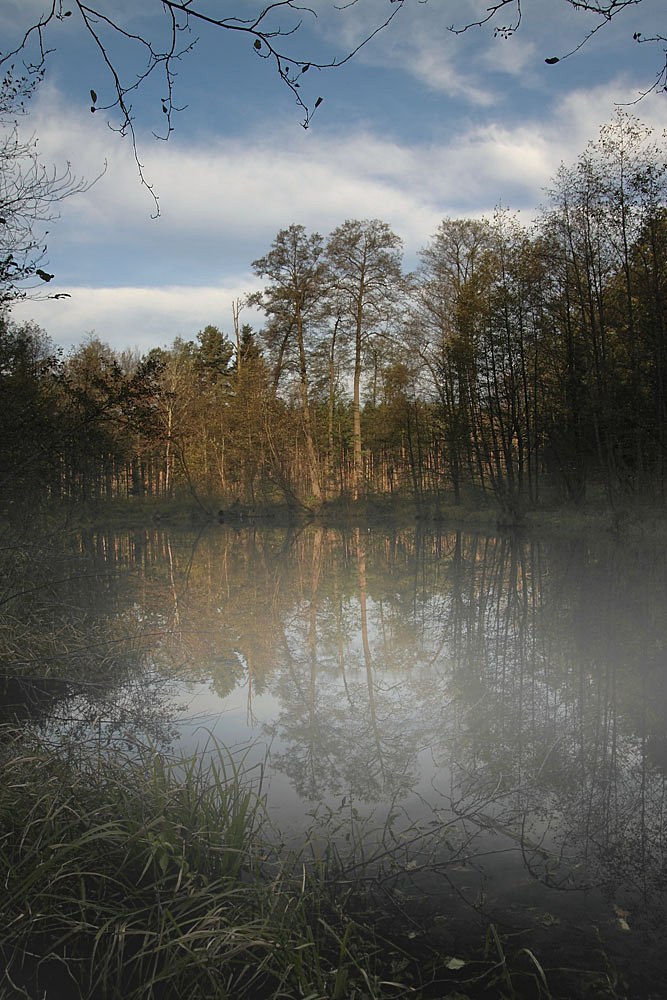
(518, 364)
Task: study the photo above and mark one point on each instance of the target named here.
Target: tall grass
(136, 876)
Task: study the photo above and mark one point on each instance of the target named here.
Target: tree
(606, 257)
(294, 302)
(510, 325)
(29, 195)
(250, 416)
(447, 280)
(29, 404)
(367, 280)
(110, 405)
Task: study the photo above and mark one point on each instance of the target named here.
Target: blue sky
(422, 125)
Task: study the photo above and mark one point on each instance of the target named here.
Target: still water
(496, 706)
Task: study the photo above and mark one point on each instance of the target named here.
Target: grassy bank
(631, 519)
(141, 878)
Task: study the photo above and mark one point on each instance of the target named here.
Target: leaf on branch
(304, 69)
(93, 97)
(552, 60)
(44, 275)
(258, 43)
(318, 102)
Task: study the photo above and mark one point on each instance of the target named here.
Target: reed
(140, 876)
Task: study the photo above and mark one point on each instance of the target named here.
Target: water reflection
(75, 636)
(510, 693)
(519, 664)
(516, 688)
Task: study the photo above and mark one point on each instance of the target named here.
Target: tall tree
(510, 330)
(293, 301)
(250, 414)
(601, 211)
(448, 283)
(367, 284)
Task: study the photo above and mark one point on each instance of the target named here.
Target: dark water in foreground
(506, 699)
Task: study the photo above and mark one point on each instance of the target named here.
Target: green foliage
(139, 877)
(127, 879)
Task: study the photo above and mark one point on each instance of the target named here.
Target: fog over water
(495, 706)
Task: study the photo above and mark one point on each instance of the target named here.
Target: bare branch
(107, 33)
(30, 194)
(270, 30)
(504, 31)
(604, 10)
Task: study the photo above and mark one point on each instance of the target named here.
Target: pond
(493, 709)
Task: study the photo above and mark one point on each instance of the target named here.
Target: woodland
(519, 365)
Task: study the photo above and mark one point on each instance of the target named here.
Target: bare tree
(30, 194)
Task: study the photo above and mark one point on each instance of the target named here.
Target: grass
(142, 877)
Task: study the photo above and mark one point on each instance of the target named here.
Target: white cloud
(224, 200)
(579, 115)
(137, 317)
(220, 196)
(418, 42)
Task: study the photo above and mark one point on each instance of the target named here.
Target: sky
(423, 124)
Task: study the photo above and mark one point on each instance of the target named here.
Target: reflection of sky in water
(205, 716)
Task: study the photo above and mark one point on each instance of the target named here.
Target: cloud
(579, 115)
(222, 199)
(138, 281)
(479, 69)
(417, 42)
(140, 317)
(222, 196)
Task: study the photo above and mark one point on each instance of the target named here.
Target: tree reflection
(347, 730)
(74, 642)
(504, 698)
(514, 687)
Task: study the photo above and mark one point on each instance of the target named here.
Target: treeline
(519, 362)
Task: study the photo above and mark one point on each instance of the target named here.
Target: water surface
(504, 698)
